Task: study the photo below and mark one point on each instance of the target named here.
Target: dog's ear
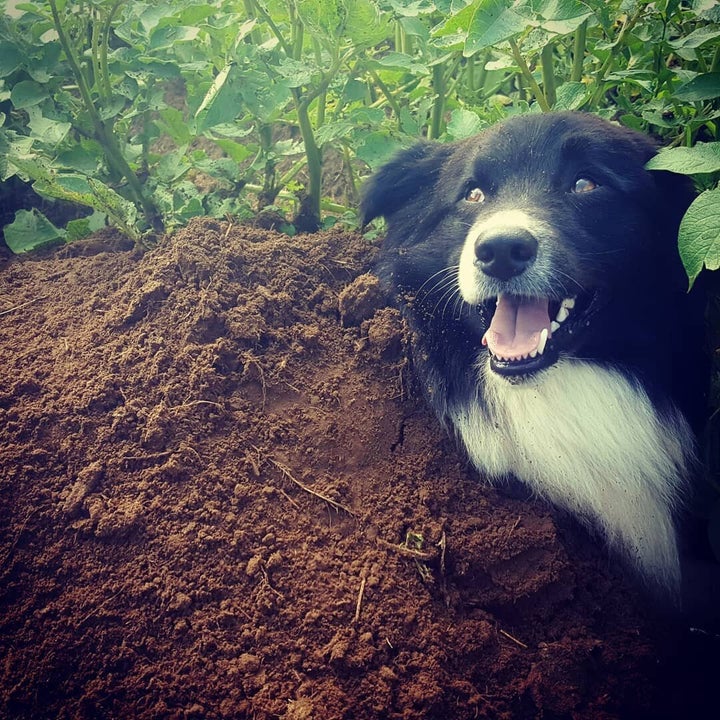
(408, 175)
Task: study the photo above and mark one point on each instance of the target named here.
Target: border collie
(537, 266)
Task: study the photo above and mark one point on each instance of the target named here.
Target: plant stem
(251, 6)
(628, 25)
(481, 76)
(438, 85)
(470, 73)
(104, 72)
(387, 93)
(290, 174)
(269, 184)
(548, 73)
(715, 62)
(347, 161)
(322, 98)
(579, 52)
(104, 134)
(528, 76)
(399, 36)
(313, 156)
(95, 76)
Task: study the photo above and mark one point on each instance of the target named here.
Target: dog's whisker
(448, 294)
(440, 288)
(571, 279)
(460, 307)
(450, 271)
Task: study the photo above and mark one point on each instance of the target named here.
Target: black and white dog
(537, 266)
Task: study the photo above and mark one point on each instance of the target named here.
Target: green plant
(149, 114)
(700, 228)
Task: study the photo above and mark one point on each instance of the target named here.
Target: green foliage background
(151, 113)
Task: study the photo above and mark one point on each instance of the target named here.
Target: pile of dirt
(221, 497)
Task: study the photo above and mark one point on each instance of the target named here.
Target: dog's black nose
(505, 253)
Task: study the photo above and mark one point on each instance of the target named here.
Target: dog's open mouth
(526, 334)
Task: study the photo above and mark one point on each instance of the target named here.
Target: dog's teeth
(534, 353)
(564, 312)
(554, 326)
(543, 340)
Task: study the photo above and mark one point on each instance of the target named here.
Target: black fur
(620, 241)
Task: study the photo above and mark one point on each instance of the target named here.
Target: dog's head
(537, 230)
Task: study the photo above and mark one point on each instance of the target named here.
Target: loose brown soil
(221, 497)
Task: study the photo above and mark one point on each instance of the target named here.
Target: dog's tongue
(516, 326)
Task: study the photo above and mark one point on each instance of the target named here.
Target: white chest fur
(589, 441)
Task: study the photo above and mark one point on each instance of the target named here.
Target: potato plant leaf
(220, 104)
(699, 237)
(10, 59)
(463, 123)
(702, 87)
(702, 158)
(493, 22)
(562, 16)
(27, 93)
(30, 230)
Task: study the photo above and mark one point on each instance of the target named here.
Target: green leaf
(699, 237)
(264, 99)
(114, 106)
(492, 23)
(463, 123)
(165, 37)
(401, 61)
(562, 16)
(696, 38)
(571, 96)
(84, 158)
(365, 25)
(172, 166)
(82, 227)
(220, 104)
(234, 150)
(457, 23)
(703, 158)
(320, 17)
(27, 93)
(173, 123)
(49, 132)
(707, 10)
(30, 230)
(415, 27)
(81, 190)
(702, 87)
(376, 149)
(10, 59)
(332, 132)
(296, 73)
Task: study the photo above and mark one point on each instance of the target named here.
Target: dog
(538, 269)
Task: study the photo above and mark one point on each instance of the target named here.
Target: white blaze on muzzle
(470, 278)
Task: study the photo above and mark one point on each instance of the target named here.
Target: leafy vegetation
(148, 114)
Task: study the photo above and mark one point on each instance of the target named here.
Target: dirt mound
(221, 497)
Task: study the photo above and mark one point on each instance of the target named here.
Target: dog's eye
(475, 195)
(584, 185)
